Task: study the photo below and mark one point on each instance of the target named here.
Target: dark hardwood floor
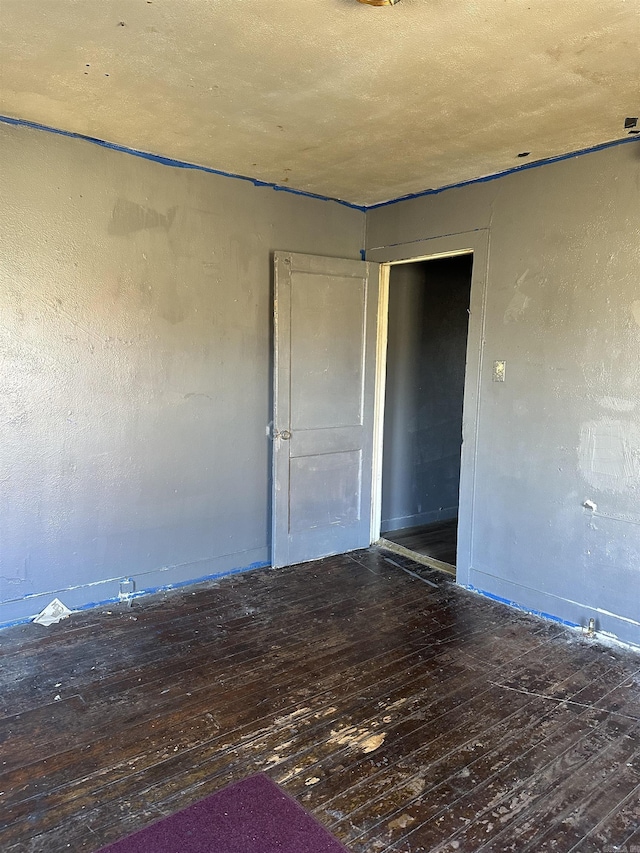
(437, 540)
(407, 714)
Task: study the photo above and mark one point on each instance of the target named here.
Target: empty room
(320, 426)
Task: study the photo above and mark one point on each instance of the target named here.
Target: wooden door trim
(477, 243)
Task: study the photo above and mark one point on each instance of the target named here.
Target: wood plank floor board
(572, 778)
(399, 678)
(585, 802)
(566, 822)
(512, 719)
(537, 718)
(416, 714)
(613, 826)
(389, 780)
(445, 810)
(379, 701)
(403, 649)
(27, 728)
(365, 844)
(31, 771)
(497, 801)
(450, 671)
(212, 600)
(108, 686)
(403, 679)
(170, 780)
(631, 844)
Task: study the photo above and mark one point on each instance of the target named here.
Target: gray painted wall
(563, 309)
(136, 348)
(426, 355)
(135, 389)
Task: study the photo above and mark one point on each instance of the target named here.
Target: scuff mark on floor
(358, 739)
(292, 717)
(401, 822)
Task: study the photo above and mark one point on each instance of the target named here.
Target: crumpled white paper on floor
(53, 612)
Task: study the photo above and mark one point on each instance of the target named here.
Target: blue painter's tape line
(169, 161)
(363, 254)
(150, 591)
(363, 208)
(15, 622)
(179, 584)
(535, 164)
(517, 606)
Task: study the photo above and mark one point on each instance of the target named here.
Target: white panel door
(325, 317)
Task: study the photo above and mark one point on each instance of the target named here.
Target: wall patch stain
(127, 217)
(198, 395)
(617, 404)
(609, 454)
(519, 302)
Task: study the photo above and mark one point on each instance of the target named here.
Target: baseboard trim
(430, 517)
(573, 614)
(105, 592)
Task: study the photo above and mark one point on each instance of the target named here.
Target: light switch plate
(499, 370)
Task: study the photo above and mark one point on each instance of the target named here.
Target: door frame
(467, 242)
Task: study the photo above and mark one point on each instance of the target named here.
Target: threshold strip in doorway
(431, 562)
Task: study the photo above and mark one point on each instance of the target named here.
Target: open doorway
(428, 322)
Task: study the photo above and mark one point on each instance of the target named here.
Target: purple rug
(252, 816)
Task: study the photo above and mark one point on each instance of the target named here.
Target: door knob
(284, 434)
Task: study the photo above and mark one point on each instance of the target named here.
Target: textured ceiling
(328, 96)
